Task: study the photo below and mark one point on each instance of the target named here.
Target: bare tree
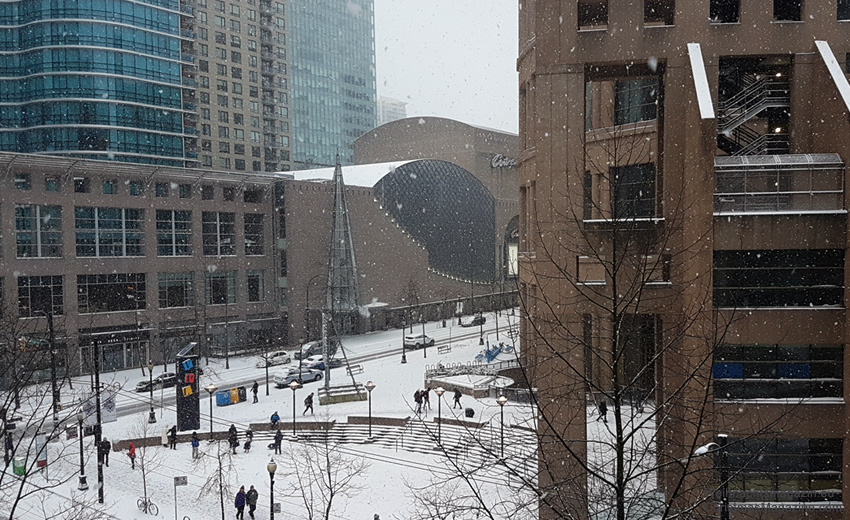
(217, 462)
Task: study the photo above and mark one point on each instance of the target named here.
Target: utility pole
(97, 427)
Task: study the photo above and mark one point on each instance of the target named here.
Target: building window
(725, 11)
(220, 288)
(176, 290)
(110, 187)
(23, 181)
(223, 146)
(82, 185)
(659, 12)
(787, 10)
(137, 188)
(229, 193)
(785, 470)
(111, 292)
(588, 196)
(184, 191)
(207, 192)
(778, 371)
(219, 233)
(206, 129)
(592, 14)
(239, 164)
(253, 195)
(161, 189)
(38, 231)
(109, 231)
(255, 286)
(53, 184)
(206, 160)
(634, 190)
(254, 234)
(779, 278)
(173, 233)
(844, 9)
(40, 294)
(221, 85)
(635, 100)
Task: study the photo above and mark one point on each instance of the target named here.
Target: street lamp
(152, 416)
(502, 400)
(424, 343)
(272, 467)
(294, 386)
(439, 391)
(300, 356)
(403, 353)
(722, 463)
(481, 338)
(51, 338)
(370, 386)
(83, 485)
(211, 390)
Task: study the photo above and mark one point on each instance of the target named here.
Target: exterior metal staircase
(754, 95)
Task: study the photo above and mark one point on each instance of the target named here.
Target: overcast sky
(450, 58)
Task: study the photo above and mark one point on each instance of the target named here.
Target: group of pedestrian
(244, 498)
(422, 398)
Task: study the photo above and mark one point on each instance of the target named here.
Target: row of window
(92, 113)
(54, 139)
(594, 13)
(120, 11)
(111, 232)
(88, 86)
(120, 63)
(127, 291)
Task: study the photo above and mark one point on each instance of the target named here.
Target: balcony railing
(779, 183)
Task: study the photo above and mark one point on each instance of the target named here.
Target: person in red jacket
(132, 455)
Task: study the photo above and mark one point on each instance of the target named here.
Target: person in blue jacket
(240, 503)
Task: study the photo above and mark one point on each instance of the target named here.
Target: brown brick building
(683, 236)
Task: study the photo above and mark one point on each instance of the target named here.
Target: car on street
(315, 362)
(164, 380)
(476, 321)
(311, 348)
(418, 341)
(305, 375)
(278, 357)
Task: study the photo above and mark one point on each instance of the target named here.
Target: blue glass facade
(100, 79)
(333, 78)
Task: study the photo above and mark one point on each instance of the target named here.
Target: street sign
(180, 481)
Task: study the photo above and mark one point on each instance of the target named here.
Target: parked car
(334, 362)
(315, 362)
(164, 380)
(288, 375)
(278, 357)
(418, 341)
(476, 321)
(311, 348)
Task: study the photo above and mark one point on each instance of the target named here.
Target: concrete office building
(242, 96)
(332, 67)
(98, 80)
(721, 127)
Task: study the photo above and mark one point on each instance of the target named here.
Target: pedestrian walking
(277, 438)
(132, 454)
(172, 437)
(254, 390)
(165, 436)
(417, 398)
(9, 448)
(426, 398)
(457, 397)
(233, 437)
(249, 438)
(251, 498)
(104, 449)
(240, 503)
(275, 419)
(308, 404)
(603, 411)
(195, 443)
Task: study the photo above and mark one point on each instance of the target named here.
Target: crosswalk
(473, 447)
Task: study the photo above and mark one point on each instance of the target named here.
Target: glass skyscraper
(332, 68)
(100, 79)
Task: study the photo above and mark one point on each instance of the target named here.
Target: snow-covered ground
(395, 458)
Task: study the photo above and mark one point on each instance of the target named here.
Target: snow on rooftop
(362, 175)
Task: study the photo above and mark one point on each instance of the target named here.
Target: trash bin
(469, 412)
(243, 394)
(234, 395)
(222, 398)
(19, 466)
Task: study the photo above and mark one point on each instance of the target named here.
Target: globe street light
(439, 391)
(152, 416)
(370, 386)
(272, 467)
(403, 354)
(502, 400)
(211, 390)
(294, 386)
(83, 485)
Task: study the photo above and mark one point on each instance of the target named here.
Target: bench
(354, 369)
(444, 349)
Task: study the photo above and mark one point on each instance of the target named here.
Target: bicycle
(147, 506)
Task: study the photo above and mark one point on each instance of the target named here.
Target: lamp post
(722, 441)
(152, 416)
(370, 386)
(439, 391)
(481, 338)
(502, 400)
(211, 390)
(83, 485)
(424, 343)
(403, 353)
(51, 339)
(300, 356)
(272, 467)
(294, 386)
(266, 364)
